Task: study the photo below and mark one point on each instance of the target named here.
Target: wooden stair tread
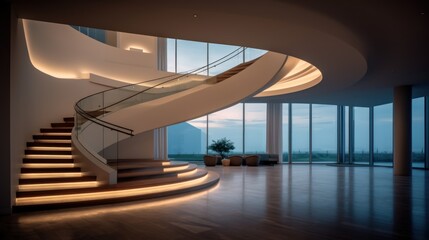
(136, 160)
(49, 170)
(233, 71)
(167, 179)
(152, 172)
(123, 166)
(57, 180)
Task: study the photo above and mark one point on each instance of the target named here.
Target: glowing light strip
(174, 169)
(56, 134)
(57, 186)
(69, 198)
(48, 165)
(141, 165)
(51, 175)
(42, 156)
(50, 148)
(185, 174)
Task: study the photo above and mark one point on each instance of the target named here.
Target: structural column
(274, 129)
(402, 131)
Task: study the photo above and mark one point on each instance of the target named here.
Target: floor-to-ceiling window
(219, 51)
(255, 127)
(418, 130)
(190, 56)
(322, 142)
(188, 140)
(383, 135)
(171, 55)
(361, 135)
(285, 131)
(324, 127)
(300, 133)
(252, 53)
(94, 33)
(227, 123)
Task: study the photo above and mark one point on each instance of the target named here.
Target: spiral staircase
(78, 162)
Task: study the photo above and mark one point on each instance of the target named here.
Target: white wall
(145, 44)
(62, 52)
(37, 99)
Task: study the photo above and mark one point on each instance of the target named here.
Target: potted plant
(222, 146)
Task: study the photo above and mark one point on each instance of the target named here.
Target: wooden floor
(269, 202)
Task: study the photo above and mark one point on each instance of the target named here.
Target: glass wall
(361, 138)
(255, 128)
(94, 33)
(227, 123)
(324, 142)
(252, 53)
(383, 135)
(187, 140)
(285, 132)
(171, 55)
(190, 56)
(218, 51)
(300, 133)
(418, 130)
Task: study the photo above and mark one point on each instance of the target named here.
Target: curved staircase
(76, 164)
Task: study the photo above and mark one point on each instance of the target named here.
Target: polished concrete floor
(269, 202)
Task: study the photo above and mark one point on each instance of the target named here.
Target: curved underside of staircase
(203, 99)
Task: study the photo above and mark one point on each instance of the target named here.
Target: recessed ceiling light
(195, 15)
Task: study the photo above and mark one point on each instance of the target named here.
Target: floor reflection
(267, 202)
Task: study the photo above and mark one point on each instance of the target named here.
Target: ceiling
(363, 48)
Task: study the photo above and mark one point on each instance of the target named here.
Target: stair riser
(56, 130)
(49, 170)
(47, 152)
(53, 144)
(47, 160)
(62, 125)
(69, 119)
(51, 137)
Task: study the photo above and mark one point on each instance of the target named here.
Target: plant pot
(210, 160)
(226, 162)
